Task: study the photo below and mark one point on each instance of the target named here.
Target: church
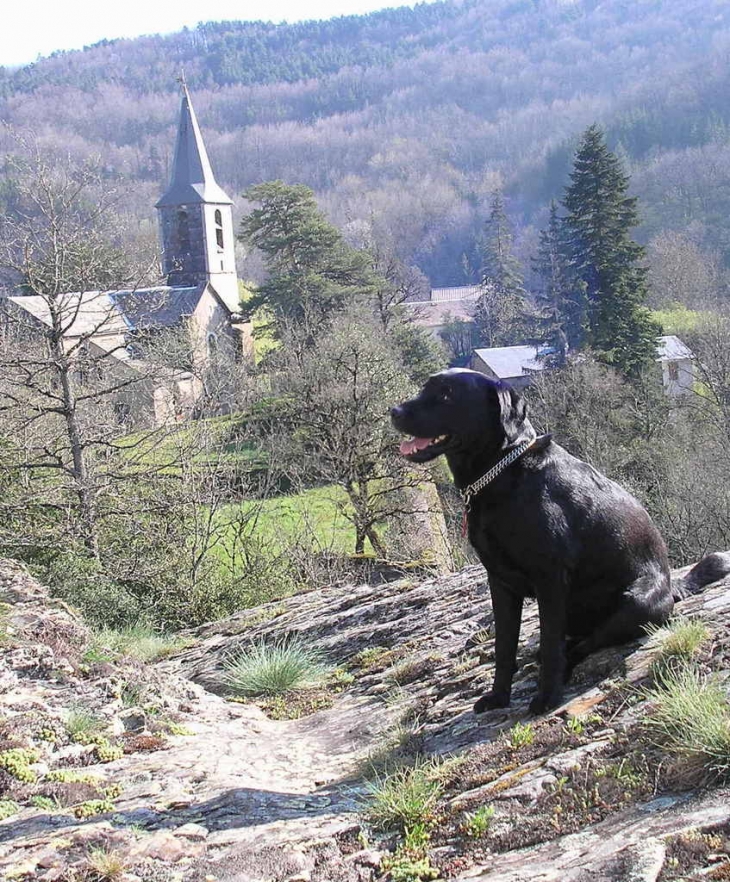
(200, 298)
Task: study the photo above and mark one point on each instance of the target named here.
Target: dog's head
(461, 411)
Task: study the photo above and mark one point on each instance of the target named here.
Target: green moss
(107, 753)
(17, 762)
(8, 808)
(93, 807)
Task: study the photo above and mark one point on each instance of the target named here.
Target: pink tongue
(414, 444)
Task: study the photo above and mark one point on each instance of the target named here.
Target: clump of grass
(678, 642)
(141, 642)
(405, 799)
(521, 735)
(690, 718)
(81, 723)
(104, 864)
(274, 668)
(477, 824)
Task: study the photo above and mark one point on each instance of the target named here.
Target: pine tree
(561, 298)
(606, 259)
(501, 308)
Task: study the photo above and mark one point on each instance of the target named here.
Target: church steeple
(196, 217)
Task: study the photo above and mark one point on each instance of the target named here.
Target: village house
(200, 299)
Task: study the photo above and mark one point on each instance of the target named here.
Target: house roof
(671, 348)
(432, 315)
(109, 313)
(462, 292)
(192, 179)
(508, 362)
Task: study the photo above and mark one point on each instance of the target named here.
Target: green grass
(679, 320)
(404, 799)
(267, 669)
(679, 641)
(81, 723)
(141, 642)
(690, 719)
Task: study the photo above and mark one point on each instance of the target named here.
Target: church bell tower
(196, 217)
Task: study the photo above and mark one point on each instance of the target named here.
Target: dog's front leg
(507, 609)
(552, 653)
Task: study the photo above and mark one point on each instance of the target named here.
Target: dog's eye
(445, 395)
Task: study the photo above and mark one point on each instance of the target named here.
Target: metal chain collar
(468, 492)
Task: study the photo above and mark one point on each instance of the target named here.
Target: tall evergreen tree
(561, 297)
(605, 258)
(501, 308)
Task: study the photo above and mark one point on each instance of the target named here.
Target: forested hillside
(404, 121)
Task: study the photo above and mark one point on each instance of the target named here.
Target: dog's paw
(490, 701)
(542, 703)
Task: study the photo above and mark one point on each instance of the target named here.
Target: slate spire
(192, 178)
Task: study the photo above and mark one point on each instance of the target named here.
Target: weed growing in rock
(405, 798)
(105, 865)
(71, 776)
(410, 861)
(521, 735)
(575, 725)
(678, 642)
(274, 668)
(93, 807)
(132, 693)
(477, 824)
(690, 718)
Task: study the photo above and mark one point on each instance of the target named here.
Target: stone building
(200, 299)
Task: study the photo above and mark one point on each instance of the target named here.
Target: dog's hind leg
(648, 601)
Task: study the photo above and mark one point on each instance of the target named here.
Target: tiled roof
(463, 292)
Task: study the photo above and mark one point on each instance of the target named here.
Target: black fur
(550, 527)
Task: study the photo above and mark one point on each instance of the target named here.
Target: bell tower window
(183, 231)
(218, 227)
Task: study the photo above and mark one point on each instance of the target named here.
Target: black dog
(545, 525)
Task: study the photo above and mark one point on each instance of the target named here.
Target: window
(183, 231)
(218, 227)
(212, 346)
(673, 371)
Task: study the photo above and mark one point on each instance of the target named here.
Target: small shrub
(107, 753)
(521, 735)
(690, 717)
(404, 799)
(680, 641)
(274, 668)
(132, 693)
(370, 657)
(70, 776)
(410, 862)
(105, 865)
(575, 725)
(477, 824)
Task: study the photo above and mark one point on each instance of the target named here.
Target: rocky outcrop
(241, 796)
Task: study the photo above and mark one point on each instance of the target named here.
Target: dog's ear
(513, 413)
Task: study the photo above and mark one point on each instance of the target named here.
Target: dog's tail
(711, 568)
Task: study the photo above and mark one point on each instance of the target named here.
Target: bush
(274, 668)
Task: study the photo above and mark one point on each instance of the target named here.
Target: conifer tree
(605, 258)
(501, 308)
(561, 297)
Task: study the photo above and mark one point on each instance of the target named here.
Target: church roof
(102, 313)
(192, 179)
